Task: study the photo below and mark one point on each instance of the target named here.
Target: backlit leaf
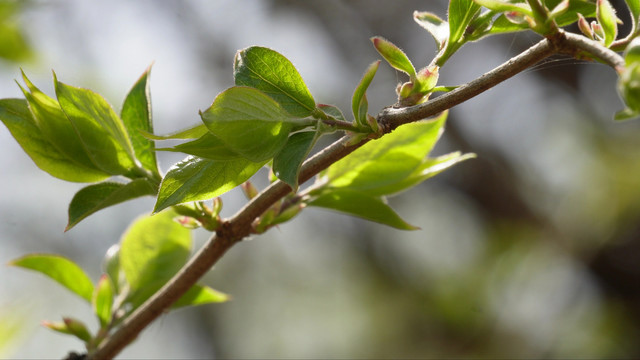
(359, 104)
(16, 116)
(207, 146)
(437, 27)
(152, 250)
(136, 116)
(103, 300)
(461, 12)
(60, 269)
(200, 295)
(394, 56)
(102, 133)
(360, 204)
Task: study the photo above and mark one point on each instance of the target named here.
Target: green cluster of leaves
(468, 21)
(150, 252)
(358, 184)
(269, 115)
(78, 137)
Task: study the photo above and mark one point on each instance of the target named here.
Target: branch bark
(238, 226)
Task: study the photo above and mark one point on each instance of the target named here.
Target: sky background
(530, 250)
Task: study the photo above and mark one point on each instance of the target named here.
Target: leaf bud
(584, 27)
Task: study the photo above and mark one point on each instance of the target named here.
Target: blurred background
(529, 251)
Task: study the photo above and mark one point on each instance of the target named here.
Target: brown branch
(237, 227)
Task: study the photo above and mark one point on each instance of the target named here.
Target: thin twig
(237, 227)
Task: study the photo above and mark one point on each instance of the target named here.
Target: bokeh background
(529, 251)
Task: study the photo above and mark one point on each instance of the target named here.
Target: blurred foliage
(14, 45)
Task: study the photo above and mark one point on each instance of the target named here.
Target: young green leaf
(394, 56)
(60, 269)
(505, 6)
(200, 295)
(333, 111)
(606, 15)
(195, 179)
(360, 204)
(586, 8)
(70, 326)
(461, 12)
(136, 116)
(437, 27)
(189, 133)
(207, 146)
(249, 122)
(152, 250)
(16, 116)
(99, 196)
(386, 162)
(287, 163)
(634, 9)
(103, 300)
(273, 74)
(359, 104)
(56, 128)
(100, 129)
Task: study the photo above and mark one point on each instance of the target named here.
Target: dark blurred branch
(237, 227)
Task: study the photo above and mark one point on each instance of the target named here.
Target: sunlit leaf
(200, 295)
(102, 133)
(273, 74)
(152, 250)
(99, 196)
(360, 204)
(60, 269)
(193, 132)
(70, 326)
(136, 116)
(359, 104)
(386, 162)
(249, 122)
(195, 179)
(56, 128)
(461, 12)
(103, 300)
(207, 146)
(437, 27)
(16, 116)
(393, 55)
(606, 15)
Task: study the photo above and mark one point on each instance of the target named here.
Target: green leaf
(437, 27)
(152, 250)
(286, 165)
(136, 116)
(103, 300)
(57, 129)
(394, 56)
(200, 295)
(359, 104)
(585, 7)
(273, 74)
(382, 164)
(502, 25)
(249, 122)
(461, 12)
(195, 179)
(16, 116)
(208, 146)
(70, 326)
(634, 9)
(505, 6)
(189, 133)
(360, 204)
(606, 15)
(100, 129)
(99, 196)
(331, 110)
(60, 269)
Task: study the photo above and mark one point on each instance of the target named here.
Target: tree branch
(237, 227)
